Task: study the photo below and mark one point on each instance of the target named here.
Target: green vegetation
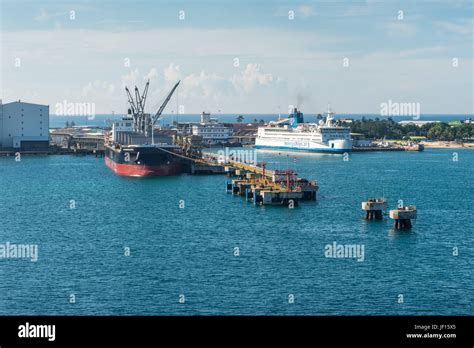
(378, 129)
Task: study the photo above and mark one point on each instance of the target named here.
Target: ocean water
(191, 251)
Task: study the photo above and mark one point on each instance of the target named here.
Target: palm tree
(240, 118)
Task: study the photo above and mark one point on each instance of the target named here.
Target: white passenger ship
(323, 137)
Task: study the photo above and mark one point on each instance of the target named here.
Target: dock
(261, 186)
(416, 148)
(54, 151)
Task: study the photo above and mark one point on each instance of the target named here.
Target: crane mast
(157, 116)
(142, 122)
(133, 109)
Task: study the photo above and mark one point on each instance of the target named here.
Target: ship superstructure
(325, 136)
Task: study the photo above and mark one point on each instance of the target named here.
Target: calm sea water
(190, 251)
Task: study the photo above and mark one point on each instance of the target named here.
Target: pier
(403, 216)
(199, 168)
(261, 186)
(415, 148)
(54, 151)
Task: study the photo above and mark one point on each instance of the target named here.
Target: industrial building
(211, 130)
(78, 137)
(24, 126)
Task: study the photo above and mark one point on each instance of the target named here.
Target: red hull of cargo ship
(144, 170)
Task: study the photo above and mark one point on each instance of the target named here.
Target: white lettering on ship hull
(296, 143)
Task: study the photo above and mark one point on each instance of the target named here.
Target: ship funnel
(296, 117)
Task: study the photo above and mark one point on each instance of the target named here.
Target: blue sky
(281, 61)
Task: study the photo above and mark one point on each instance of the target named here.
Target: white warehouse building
(211, 131)
(24, 126)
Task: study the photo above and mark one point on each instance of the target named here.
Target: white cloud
(274, 63)
(421, 51)
(251, 78)
(306, 11)
(131, 79)
(205, 85)
(401, 28)
(303, 11)
(199, 90)
(43, 16)
(152, 75)
(191, 44)
(172, 73)
(460, 27)
(98, 87)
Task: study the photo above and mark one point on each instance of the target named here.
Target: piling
(403, 217)
(374, 208)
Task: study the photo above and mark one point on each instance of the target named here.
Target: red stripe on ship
(143, 170)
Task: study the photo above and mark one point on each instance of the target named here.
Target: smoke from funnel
(300, 99)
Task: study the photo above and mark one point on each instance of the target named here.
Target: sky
(240, 56)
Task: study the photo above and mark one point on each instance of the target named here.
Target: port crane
(137, 107)
(141, 105)
(143, 123)
(158, 115)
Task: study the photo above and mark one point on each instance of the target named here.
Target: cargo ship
(325, 136)
(145, 160)
(130, 149)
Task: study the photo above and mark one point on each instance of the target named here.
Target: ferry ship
(325, 136)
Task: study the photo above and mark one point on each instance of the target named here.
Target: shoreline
(100, 153)
(446, 145)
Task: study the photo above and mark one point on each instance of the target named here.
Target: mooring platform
(403, 216)
(269, 187)
(374, 208)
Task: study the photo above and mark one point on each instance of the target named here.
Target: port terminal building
(24, 126)
(209, 129)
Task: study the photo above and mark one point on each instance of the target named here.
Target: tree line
(389, 129)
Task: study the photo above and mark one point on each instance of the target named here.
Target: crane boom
(157, 116)
(144, 95)
(138, 100)
(130, 100)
